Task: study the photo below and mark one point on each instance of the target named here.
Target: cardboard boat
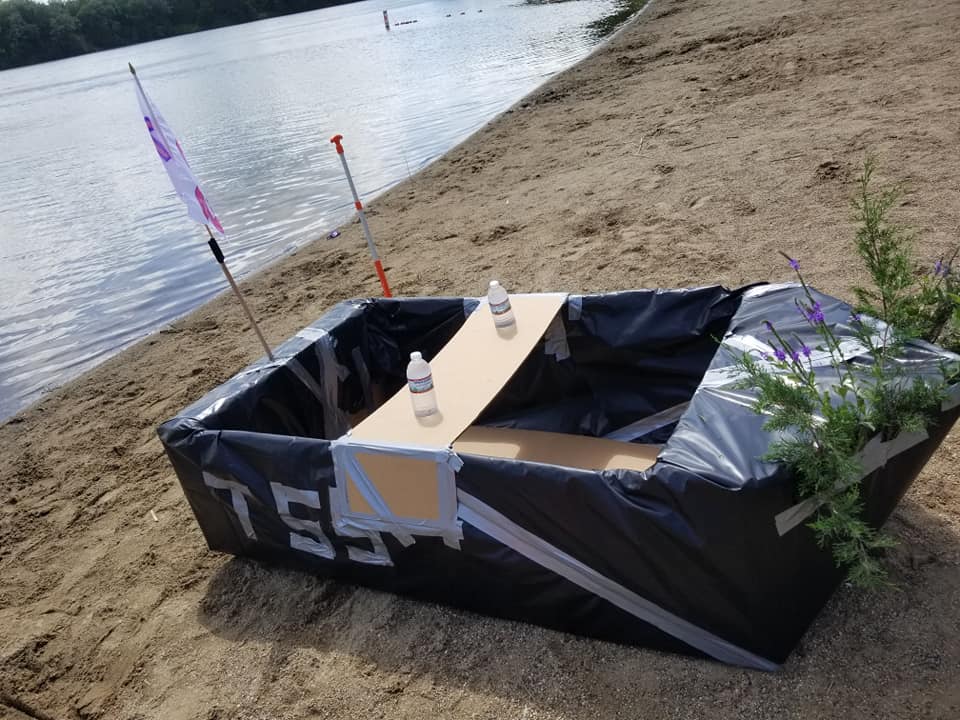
(593, 469)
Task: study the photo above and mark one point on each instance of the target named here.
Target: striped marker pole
(336, 140)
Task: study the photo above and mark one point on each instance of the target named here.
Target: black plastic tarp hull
(694, 538)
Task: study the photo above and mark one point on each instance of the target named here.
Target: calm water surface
(95, 249)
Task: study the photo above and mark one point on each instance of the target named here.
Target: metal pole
(336, 140)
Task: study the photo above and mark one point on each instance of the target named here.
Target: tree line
(32, 32)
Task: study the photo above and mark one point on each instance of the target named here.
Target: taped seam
(952, 399)
(492, 523)
(649, 424)
(335, 422)
(555, 340)
(347, 467)
(874, 455)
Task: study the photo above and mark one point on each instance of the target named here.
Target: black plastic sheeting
(694, 534)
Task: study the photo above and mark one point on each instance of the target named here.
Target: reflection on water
(95, 251)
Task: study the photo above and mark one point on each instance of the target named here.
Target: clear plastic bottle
(499, 303)
(420, 382)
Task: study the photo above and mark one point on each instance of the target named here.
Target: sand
(688, 150)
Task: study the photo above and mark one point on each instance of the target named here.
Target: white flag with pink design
(175, 163)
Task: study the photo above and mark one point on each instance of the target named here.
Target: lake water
(95, 249)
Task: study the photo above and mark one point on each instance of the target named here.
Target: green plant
(918, 304)
(824, 407)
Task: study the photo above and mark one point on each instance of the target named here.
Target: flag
(175, 162)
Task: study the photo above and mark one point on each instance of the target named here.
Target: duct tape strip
(555, 340)
(347, 468)
(849, 349)
(303, 376)
(574, 307)
(934, 349)
(503, 530)
(311, 333)
(874, 456)
(761, 290)
(238, 491)
(298, 370)
(952, 398)
(259, 368)
(363, 372)
(315, 541)
(335, 421)
(648, 424)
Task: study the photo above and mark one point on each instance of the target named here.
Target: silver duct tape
(492, 523)
(344, 458)
(379, 556)
(316, 541)
(761, 290)
(748, 344)
(574, 307)
(555, 340)
(952, 398)
(363, 372)
(311, 334)
(649, 424)
(874, 456)
(335, 421)
(347, 468)
(263, 367)
(303, 376)
(238, 494)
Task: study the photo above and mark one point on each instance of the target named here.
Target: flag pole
(154, 124)
(218, 254)
(336, 140)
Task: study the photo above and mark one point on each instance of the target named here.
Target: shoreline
(41, 381)
(686, 149)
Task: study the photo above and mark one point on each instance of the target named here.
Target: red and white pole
(336, 140)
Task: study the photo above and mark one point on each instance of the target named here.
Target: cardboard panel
(577, 451)
(407, 485)
(467, 374)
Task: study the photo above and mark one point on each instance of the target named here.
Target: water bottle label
(500, 308)
(421, 385)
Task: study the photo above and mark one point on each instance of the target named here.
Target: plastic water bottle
(499, 303)
(420, 382)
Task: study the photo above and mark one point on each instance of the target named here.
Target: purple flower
(795, 264)
(856, 318)
(938, 268)
(805, 350)
(781, 355)
(795, 356)
(814, 314)
(768, 325)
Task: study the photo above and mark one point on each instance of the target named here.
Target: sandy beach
(688, 150)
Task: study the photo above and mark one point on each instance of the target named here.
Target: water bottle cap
(494, 283)
(416, 356)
